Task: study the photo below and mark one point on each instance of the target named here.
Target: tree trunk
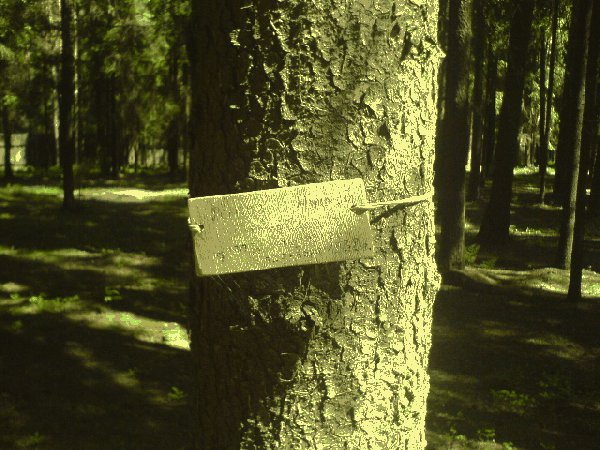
(594, 206)
(66, 91)
(454, 144)
(7, 134)
(543, 159)
(114, 128)
(172, 132)
(476, 140)
(334, 355)
(569, 107)
(489, 132)
(443, 15)
(545, 137)
(496, 220)
(571, 122)
(588, 139)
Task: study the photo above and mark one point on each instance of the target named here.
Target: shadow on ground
(66, 386)
(520, 370)
(513, 364)
(93, 353)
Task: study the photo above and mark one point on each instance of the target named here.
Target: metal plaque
(291, 226)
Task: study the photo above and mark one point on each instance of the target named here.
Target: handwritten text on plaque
(307, 224)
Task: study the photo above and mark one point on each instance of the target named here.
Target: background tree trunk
(588, 140)
(545, 137)
(489, 132)
(543, 157)
(172, 131)
(7, 136)
(571, 123)
(479, 39)
(454, 143)
(286, 93)
(496, 219)
(66, 89)
(569, 107)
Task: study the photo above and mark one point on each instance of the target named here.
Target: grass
(94, 351)
(93, 347)
(513, 365)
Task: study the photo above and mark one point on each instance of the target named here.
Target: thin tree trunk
(588, 140)
(172, 132)
(323, 356)
(569, 106)
(594, 206)
(454, 148)
(77, 133)
(186, 128)
(489, 132)
(544, 112)
(7, 134)
(545, 138)
(496, 220)
(65, 97)
(479, 38)
(543, 158)
(443, 15)
(571, 122)
(113, 121)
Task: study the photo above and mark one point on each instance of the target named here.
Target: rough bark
(571, 124)
(496, 219)
(545, 137)
(489, 132)
(588, 140)
(479, 38)
(454, 143)
(66, 90)
(335, 355)
(7, 136)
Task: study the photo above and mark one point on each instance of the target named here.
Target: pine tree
(286, 93)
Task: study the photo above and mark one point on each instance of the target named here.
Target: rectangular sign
(306, 224)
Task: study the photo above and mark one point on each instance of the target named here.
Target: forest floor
(513, 364)
(94, 352)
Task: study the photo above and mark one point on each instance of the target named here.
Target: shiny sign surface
(306, 224)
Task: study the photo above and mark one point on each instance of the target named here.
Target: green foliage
(512, 401)
(555, 386)
(31, 441)
(487, 434)
(176, 394)
(471, 252)
(111, 294)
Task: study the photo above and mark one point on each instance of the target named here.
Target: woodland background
(96, 118)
